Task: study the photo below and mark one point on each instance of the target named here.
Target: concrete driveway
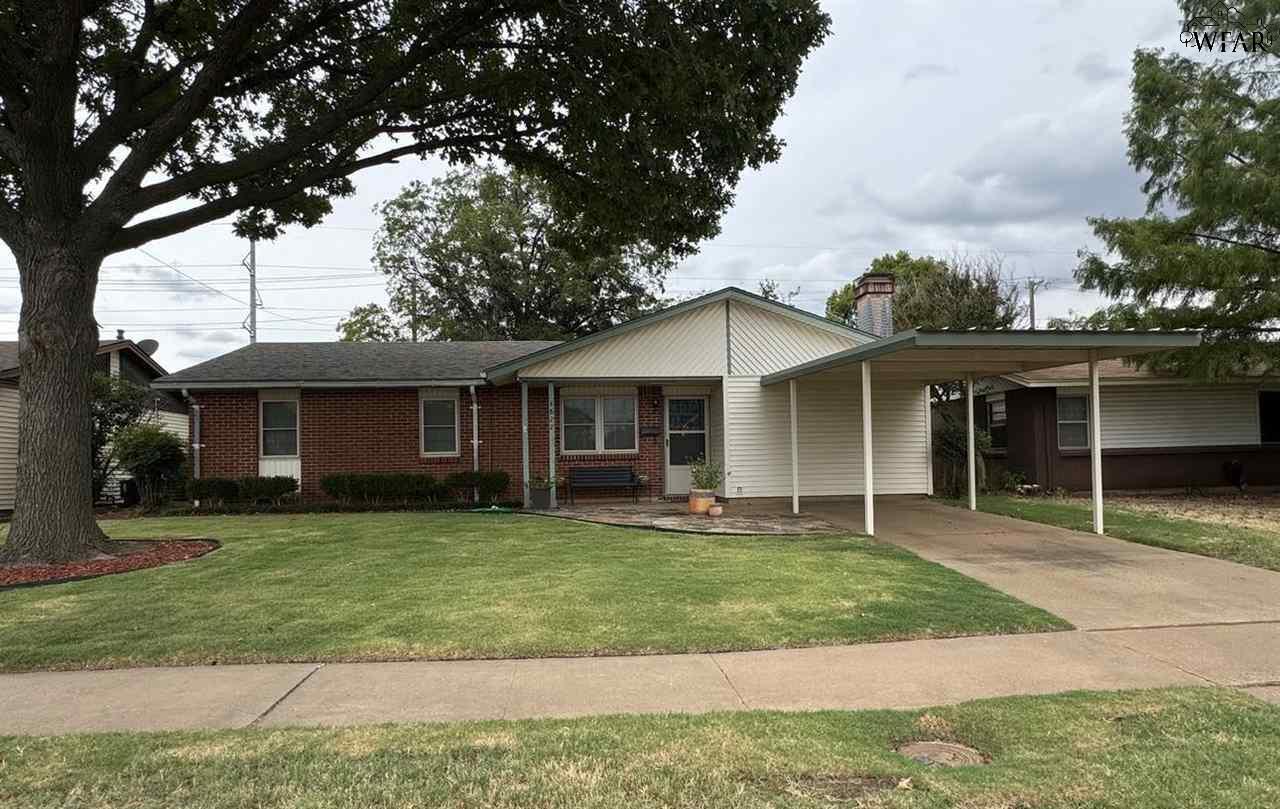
(1094, 582)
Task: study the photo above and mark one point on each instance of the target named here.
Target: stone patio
(675, 516)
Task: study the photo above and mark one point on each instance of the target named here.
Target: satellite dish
(149, 347)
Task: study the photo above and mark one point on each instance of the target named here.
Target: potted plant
(706, 477)
(540, 492)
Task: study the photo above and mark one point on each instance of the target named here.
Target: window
(598, 424)
(1269, 415)
(439, 422)
(1073, 422)
(997, 423)
(279, 428)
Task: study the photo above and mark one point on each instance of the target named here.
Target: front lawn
(1221, 539)
(393, 586)
(1165, 749)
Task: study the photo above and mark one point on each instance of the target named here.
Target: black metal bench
(604, 477)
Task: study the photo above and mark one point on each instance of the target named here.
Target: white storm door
(686, 418)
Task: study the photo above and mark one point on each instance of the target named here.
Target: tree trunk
(53, 519)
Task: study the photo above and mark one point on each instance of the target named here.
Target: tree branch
(1235, 242)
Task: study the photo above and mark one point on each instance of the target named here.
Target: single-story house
(1158, 431)
(784, 400)
(120, 357)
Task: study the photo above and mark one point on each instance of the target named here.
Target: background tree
(483, 254)
(117, 404)
(1207, 253)
(960, 292)
(127, 121)
(771, 289)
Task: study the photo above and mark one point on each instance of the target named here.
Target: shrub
(705, 474)
(213, 491)
(154, 456)
(487, 486)
(951, 443)
(386, 487)
(271, 489)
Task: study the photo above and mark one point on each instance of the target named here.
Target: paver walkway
(884, 675)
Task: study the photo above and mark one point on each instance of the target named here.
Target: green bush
(213, 491)
(269, 489)
(154, 456)
(705, 474)
(951, 444)
(383, 487)
(489, 486)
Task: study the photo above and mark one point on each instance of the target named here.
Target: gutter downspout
(475, 438)
(195, 438)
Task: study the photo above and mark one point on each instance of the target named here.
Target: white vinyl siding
(1141, 416)
(691, 344)
(830, 438)
(762, 341)
(8, 446)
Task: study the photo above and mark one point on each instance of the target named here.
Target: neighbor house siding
(8, 445)
(761, 341)
(829, 438)
(1136, 416)
(691, 344)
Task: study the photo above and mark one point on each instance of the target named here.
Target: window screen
(279, 428)
(1073, 422)
(439, 426)
(619, 423)
(579, 424)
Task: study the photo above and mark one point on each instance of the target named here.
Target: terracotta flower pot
(715, 511)
(701, 500)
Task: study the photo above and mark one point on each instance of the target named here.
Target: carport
(936, 357)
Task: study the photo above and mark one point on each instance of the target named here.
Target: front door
(686, 439)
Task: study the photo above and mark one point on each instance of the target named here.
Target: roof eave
(233, 384)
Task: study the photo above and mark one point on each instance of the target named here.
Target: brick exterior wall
(376, 430)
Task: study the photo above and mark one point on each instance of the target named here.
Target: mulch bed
(130, 555)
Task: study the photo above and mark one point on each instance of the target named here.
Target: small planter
(701, 500)
(715, 511)
(540, 498)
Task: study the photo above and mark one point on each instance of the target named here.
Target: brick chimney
(873, 303)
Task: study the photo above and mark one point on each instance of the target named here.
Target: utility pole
(251, 264)
(1032, 285)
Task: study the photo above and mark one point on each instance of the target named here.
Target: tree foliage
(482, 254)
(772, 289)
(154, 456)
(1207, 253)
(125, 121)
(117, 405)
(959, 292)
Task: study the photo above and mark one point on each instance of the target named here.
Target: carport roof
(942, 356)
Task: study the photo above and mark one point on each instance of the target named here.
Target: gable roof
(504, 370)
(340, 364)
(9, 356)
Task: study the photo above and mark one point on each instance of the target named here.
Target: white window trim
(262, 428)
(599, 424)
(990, 419)
(1058, 422)
(439, 395)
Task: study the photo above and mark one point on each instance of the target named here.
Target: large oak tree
(130, 120)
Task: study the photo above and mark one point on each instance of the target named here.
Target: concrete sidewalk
(885, 675)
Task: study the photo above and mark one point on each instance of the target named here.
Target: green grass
(1244, 545)
(393, 586)
(1168, 749)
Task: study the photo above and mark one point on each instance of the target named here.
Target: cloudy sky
(933, 126)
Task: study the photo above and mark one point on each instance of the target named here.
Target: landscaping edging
(166, 552)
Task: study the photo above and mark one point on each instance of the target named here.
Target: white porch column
(868, 478)
(1095, 441)
(524, 437)
(928, 441)
(973, 452)
(795, 454)
(551, 439)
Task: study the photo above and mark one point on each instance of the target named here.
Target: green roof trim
(1135, 342)
(505, 369)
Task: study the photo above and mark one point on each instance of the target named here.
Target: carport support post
(551, 439)
(524, 437)
(973, 452)
(795, 454)
(868, 481)
(1095, 441)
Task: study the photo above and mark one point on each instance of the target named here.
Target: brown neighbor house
(788, 403)
(1158, 431)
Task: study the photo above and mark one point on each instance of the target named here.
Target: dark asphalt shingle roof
(355, 362)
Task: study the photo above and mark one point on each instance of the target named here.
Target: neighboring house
(1158, 431)
(720, 375)
(119, 357)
